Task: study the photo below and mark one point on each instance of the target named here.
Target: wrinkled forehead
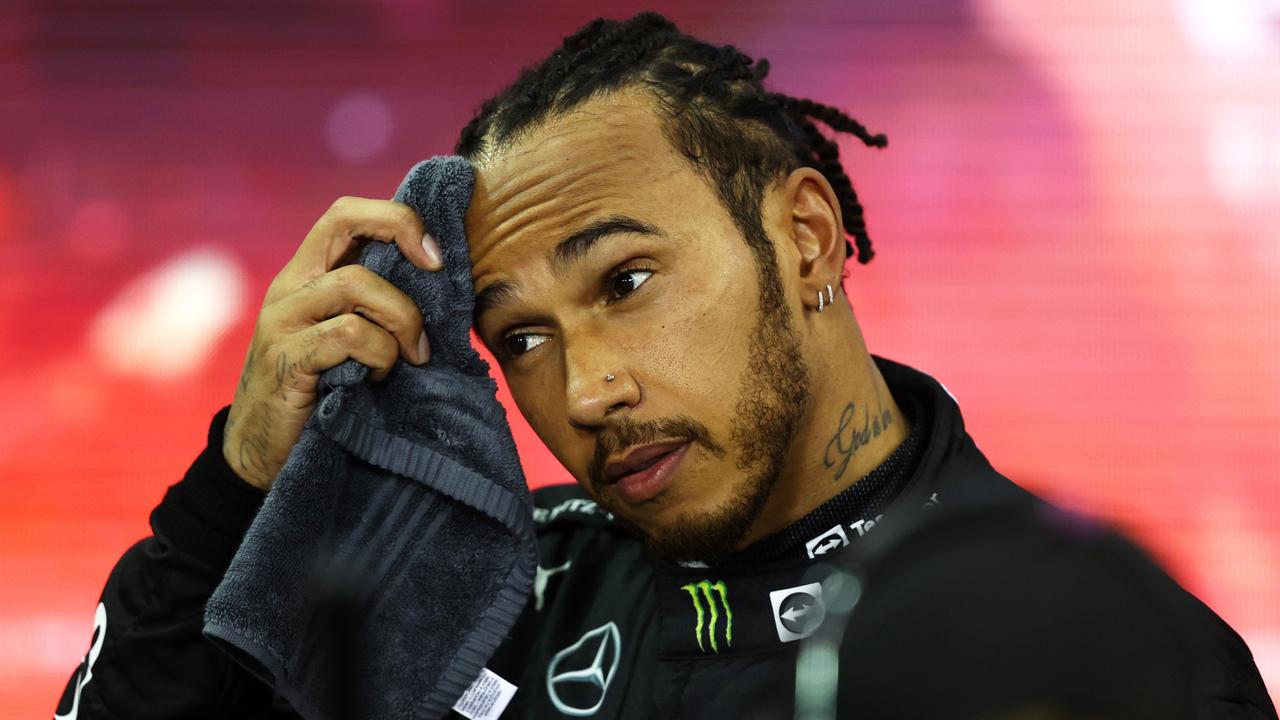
(606, 158)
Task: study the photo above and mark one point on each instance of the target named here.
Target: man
(657, 246)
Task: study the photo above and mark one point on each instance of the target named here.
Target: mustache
(628, 433)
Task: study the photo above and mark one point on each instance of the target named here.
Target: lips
(645, 472)
(638, 459)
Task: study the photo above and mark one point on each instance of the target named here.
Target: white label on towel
(486, 698)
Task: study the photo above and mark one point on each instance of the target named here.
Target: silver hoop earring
(821, 301)
(609, 378)
(831, 297)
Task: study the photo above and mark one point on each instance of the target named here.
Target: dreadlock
(715, 109)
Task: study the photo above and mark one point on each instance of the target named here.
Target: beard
(773, 396)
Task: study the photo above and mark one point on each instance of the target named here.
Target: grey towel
(396, 548)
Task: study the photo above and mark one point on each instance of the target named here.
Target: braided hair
(714, 108)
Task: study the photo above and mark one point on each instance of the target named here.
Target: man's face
(598, 253)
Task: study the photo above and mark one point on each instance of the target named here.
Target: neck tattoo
(851, 437)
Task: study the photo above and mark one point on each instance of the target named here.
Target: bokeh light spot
(167, 322)
(359, 127)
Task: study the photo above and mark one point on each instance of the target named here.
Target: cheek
(694, 349)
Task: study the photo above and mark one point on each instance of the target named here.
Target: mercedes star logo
(578, 688)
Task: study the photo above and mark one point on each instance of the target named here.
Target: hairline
(491, 147)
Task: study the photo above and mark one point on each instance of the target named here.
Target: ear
(810, 220)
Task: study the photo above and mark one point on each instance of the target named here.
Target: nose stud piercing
(609, 377)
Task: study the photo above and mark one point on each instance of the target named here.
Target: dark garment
(613, 632)
(1006, 609)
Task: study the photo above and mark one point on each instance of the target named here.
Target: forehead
(606, 158)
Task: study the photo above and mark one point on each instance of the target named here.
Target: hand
(318, 312)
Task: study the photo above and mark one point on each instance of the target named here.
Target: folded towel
(396, 548)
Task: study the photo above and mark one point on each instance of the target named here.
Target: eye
(518, 344)
(626, 282)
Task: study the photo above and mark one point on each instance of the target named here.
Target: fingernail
(432, 251)
(424, 348)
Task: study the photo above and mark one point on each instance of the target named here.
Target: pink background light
(1076, 226)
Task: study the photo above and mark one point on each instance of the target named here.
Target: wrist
(207, 514)
(238, 457)
(235, 463)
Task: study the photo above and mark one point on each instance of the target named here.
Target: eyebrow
(566, 253)
(579, 244)
(499, 293)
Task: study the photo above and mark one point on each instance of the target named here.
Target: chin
(707, 534)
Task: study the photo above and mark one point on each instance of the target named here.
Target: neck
(851, 426)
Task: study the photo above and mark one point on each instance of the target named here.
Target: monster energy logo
(700, 592)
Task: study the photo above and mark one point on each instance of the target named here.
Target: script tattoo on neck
(849, 438)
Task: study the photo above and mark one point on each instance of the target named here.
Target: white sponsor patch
(830, 540)
(862, 527)
(581, 506)
(797, 611)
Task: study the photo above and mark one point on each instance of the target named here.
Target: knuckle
(342, 204)
(348, 330)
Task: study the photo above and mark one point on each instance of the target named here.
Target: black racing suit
(611, 631)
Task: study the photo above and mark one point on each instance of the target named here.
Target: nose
(592, 396)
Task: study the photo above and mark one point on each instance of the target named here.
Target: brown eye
(522, 343)
(628, 281)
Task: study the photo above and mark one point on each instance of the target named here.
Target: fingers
(356, 290)
(338, 235)
(326, 344)
(320, 311)
(277, 388)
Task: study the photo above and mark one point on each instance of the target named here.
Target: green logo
(701, 592)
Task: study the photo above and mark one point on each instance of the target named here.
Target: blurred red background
(1076, 225)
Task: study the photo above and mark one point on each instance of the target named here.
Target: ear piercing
(609, 378)
(823, 302)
